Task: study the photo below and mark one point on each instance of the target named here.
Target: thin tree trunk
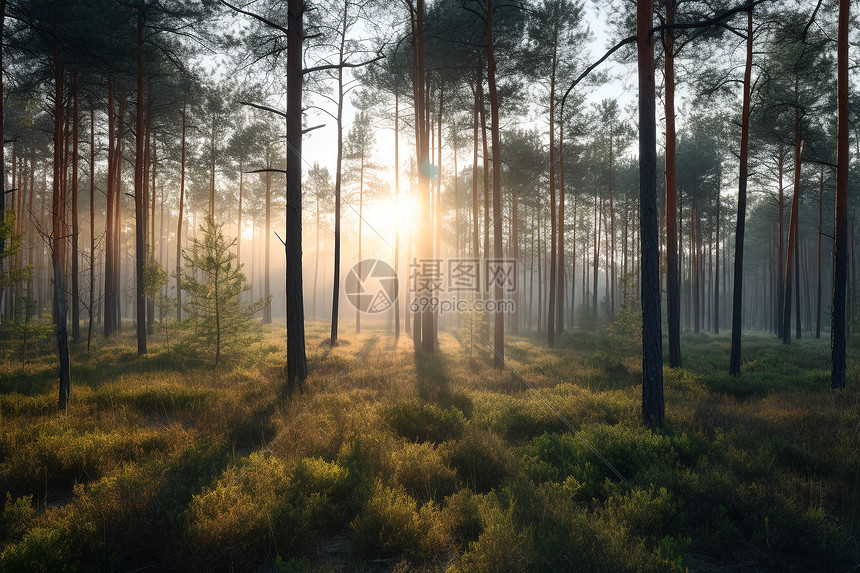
(76, 313)
(737, 295)
(499, 331)
(179, 221)
(550, 319)
(140, 197)
(267, 240)
(820, 220)
(792, 229)
(58, 241)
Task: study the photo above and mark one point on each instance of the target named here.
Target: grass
(392, 461)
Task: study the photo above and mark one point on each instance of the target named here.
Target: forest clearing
(388, 462)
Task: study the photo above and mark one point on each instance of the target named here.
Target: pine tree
(215, 313)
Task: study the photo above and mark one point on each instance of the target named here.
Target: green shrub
(421, 421)
(481, 459)
(420, 469)
(389, 522)
(503, 545)
(461, 516)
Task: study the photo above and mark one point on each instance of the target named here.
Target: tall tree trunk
(792, 229)
(180, 219)
(499, 330)
(653, 411)
(423, 153)
(737, 296)
(152, 163)
(717, 273)
(297, 366)
(397, 218)
(550, 318)
(267, 240)
(58, 241)
(840, 244)
(92, 227)
(559, 326)
(673, 293)
(820, 221)
(360, 219)
(108, 302)
(338, 180)
(76, 312)
(695, 238)
(475, 223)
(140, 196)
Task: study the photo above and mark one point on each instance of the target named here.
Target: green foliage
(216, 317)
(626, 328)
(480, 458)
(389, 522)
(140, 472)
(421, 421)
(473, 325)
(27, 328)
(12, 245)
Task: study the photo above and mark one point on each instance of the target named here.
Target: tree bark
(58, 240)
(499, 330)
(737, 296)
(792, 231)
(550, 318)
(297, 366)
(267, 240)
(673, 293)
(76, 313)
(140, 196)
(653, 410)
(179, 220)
(840, 245)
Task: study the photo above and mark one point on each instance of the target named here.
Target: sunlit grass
(430, 462)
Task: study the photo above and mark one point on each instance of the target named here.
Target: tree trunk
(792, 230)
(267, 240)
(397, 219)
(338, 180)
(673, 293)
(653, 411)
(550, 318)
(109, 303)
(499, 330)
(475, 224)
(92, 228)
(179, 220)
(737, 296)
(139, 197)
(76, 313)
(58, 240)
(840, 244)
(297, 366)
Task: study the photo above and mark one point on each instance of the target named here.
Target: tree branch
(264, 108)
(265, 21)
(342, 65)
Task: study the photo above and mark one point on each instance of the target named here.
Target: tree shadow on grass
(431, 378)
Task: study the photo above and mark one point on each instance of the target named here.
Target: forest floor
(392, 462)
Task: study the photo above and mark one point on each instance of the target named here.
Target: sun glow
(382, 217)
